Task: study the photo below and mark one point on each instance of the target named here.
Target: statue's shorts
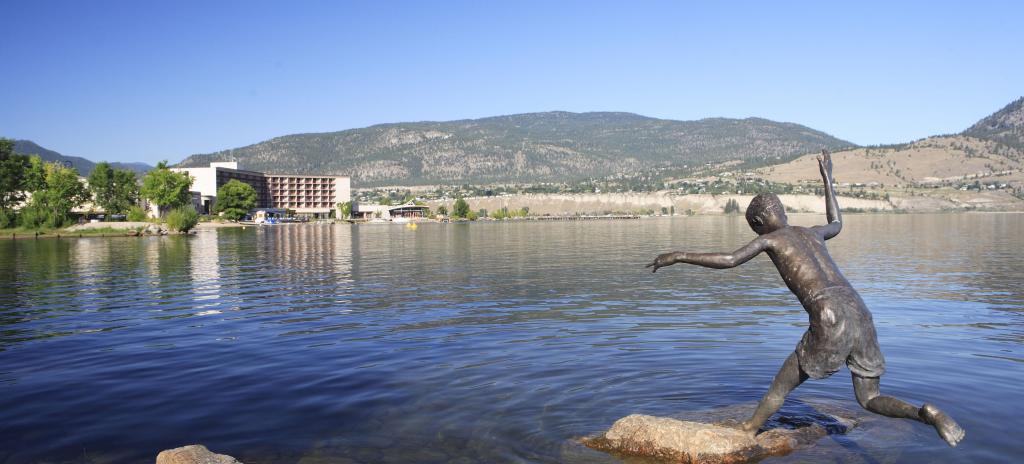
(841, 330)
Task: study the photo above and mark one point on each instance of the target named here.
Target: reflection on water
(483, 342)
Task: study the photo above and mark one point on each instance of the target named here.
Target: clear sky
(145, 81)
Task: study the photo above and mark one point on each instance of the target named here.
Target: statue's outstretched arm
(832, 213)
(712, 260)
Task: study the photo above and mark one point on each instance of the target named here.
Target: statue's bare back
(803, 261)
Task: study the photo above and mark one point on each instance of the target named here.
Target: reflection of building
(408, 210)
(204, 264)
(307, 195)
(315, 253)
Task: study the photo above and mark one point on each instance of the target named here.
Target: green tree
(35, 177)
(732, 206)
(235, 199)
(165, 188)
(51, 206)
(442, 210)
(101, 184)
(460, 209)
(19, 174)
(15, 171)
(126, 191)
(114, 190)
(346, 209)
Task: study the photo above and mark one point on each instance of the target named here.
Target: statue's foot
(749, 429)
(947, 428)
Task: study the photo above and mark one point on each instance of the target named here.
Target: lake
(484, 342)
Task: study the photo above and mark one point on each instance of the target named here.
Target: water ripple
(482, 343)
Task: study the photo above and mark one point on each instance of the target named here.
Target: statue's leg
(789, 377)
(870, 398)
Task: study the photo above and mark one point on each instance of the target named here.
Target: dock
(581, 218)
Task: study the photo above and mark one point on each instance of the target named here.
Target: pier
(581, 218)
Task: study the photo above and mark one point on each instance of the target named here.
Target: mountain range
(82, 165)
(532, 147)
(562, 146)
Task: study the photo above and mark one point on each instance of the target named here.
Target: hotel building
(314, 196)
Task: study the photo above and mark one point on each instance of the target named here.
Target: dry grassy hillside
(932, 160)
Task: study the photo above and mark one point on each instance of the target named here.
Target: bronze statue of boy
(841, 328)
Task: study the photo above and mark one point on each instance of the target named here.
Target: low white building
(388, 212)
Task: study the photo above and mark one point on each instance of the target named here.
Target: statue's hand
(825, 162)
(664, 259)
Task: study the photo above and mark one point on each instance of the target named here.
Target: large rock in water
(193, 454)
(681, 441)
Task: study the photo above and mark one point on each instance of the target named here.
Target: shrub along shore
(71, 232)
(106, 229)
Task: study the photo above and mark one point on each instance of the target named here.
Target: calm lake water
(489, 342)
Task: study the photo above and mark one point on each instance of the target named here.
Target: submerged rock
(675, 440)
(193, 454)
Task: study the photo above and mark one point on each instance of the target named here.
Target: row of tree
(505, 213)
(47, 192)
(36, 194)
(461, 210)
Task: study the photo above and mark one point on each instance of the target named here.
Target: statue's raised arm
(832, 213)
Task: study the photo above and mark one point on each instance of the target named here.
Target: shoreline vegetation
(106, 229)
(670, 203)
(578, 206)
(143, 229)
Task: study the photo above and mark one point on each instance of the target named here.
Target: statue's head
(766, 214)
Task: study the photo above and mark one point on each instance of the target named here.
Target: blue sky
(145, 81)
